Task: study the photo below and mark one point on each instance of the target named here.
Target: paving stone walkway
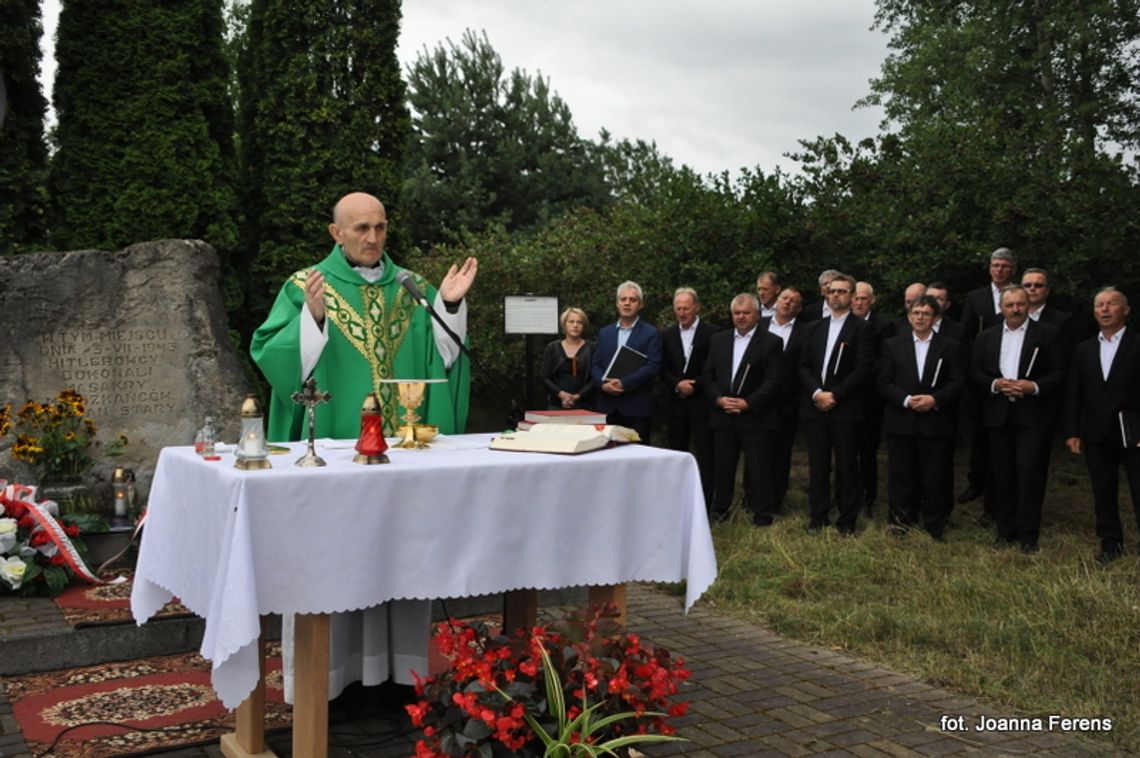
(752, 693)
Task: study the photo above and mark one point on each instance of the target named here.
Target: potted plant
(57, 439)
(581, 687)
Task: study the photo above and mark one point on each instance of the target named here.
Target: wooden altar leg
(610, 593)
(520, 610)
(248, 738)
(311, 685)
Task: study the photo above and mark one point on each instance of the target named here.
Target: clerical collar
(370, 274)
(353, 264)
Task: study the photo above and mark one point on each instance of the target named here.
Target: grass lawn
(1051, 633)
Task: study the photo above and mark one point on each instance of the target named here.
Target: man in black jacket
(742, 379)
(836, 365)
(792, 332)
(1102, 415)
(1019, 373)
(921, 378)
(684, 348)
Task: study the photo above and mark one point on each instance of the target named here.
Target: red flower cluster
(480, 702)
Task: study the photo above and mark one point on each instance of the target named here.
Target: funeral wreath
(581, 687)
(39, 552)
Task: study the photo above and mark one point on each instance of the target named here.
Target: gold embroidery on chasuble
(376, 338)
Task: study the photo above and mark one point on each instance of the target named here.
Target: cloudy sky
(719, 84)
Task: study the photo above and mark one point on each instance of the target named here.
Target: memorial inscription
(140, 333)
(121, 372)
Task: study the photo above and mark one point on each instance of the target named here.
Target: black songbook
(1129, 428)
(625, 361)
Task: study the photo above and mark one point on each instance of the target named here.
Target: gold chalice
(411, 395)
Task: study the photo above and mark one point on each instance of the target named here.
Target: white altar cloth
(451, 521)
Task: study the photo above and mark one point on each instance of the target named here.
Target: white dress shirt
(687, 336)
(783, 331)
(1108, 348)
(739, 345)
(833, 328)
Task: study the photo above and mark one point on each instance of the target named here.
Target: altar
(454, 520)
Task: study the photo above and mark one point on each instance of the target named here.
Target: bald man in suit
(1103, 405)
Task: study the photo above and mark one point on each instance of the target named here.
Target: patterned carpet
(170, 692)
(95, 605)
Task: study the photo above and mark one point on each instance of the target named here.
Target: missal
(568, 416)
(565, 439)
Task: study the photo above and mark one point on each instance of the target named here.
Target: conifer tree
(145, 128)
(322, 113)
(23, 153)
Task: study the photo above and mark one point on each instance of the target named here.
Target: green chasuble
(375, 331)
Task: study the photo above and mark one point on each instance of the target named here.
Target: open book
(568, 439)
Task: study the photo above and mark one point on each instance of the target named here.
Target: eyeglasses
(1034, 286)
(835, 291)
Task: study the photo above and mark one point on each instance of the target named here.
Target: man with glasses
(1036, 284)
(835, 368)
(921, 377)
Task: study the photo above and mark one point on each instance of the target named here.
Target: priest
(348, 323)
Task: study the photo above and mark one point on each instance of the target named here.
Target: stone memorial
(140, 333)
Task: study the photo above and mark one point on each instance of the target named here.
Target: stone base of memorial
(71, 497)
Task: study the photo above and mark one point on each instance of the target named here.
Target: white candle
(250, 447)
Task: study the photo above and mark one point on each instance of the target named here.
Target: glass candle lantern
(121, 490)
(252, 452)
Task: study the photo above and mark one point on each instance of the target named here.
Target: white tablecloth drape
(451, 521)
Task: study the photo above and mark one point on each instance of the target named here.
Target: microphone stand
(514, 415)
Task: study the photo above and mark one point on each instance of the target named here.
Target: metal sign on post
(530, 315)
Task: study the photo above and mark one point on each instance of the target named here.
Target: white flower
(12, 572)
(7, 534)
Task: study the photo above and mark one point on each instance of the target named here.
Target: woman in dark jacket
(566, 363)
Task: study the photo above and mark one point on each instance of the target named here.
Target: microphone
(408, 283)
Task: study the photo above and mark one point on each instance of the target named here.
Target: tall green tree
(1006, 125)
(491, 147)
(145, 128)
(23, 155)
(322, 113)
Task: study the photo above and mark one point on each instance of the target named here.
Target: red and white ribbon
(24, 495)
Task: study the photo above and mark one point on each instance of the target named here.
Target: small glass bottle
(204, 441)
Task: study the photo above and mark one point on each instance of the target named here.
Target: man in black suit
(836, 365)
(742, 379)
(792, 333)
(980, 311)
(819, 309)
(1104, 389)
(1036, 284)
(921, 378)
(1018, 372)
(871, 430)
(684, 347)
